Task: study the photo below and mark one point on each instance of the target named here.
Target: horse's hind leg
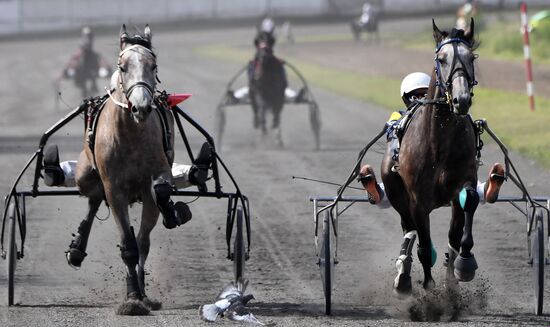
(77, 249)
(149, 218)
(394, 189)
(464, 208)
(90, 185)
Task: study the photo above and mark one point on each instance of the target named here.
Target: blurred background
(353, 67)
(38, 15)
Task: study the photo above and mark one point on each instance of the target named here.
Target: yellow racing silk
(396, 115)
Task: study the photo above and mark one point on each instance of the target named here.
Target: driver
(85, 65)
(414, 87)
(267, 27)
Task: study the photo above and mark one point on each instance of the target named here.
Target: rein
(446, 86)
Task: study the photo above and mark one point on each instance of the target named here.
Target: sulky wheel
(538, 261)
(315, 121)
(239, 254)
(326, 263)
(12, 251)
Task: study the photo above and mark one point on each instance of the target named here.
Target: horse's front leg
(174, 214)
(149, 218)
(89, 184)
(465, 263)
(129, 253)
(276, 126)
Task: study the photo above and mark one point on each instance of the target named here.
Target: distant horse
(437, 164)
(267, 84)
(127, 162)
(367, 22)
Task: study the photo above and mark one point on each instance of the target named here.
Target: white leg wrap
(481, 191)
(180, 173)
(384, 202)
(69, 170)
(241, 93)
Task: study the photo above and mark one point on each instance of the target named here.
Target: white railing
(32, 15)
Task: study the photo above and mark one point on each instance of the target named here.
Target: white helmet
(267, 25)
(414, 81)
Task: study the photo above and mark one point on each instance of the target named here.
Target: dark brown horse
(267, 84)
(129, 163)
(437, 164)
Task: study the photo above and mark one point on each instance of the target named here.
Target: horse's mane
(432, 88)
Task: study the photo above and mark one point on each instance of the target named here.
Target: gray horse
(126, 163)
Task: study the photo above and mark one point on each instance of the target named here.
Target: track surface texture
(187, 265)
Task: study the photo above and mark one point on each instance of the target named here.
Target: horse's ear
(438, 35)
(147, 32)
(470, 34)
(123, 35)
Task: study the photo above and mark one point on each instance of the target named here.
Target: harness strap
(118, 103)
(96, 107)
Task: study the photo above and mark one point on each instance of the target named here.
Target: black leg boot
(173, 214)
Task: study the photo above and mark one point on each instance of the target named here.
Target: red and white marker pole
(527, 55)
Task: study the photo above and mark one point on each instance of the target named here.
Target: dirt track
(188, 267)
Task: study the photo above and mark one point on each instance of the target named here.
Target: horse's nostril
(135, 110)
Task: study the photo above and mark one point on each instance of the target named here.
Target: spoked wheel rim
(326, 264)
(239, 255)
(12, 253)
(538, 262)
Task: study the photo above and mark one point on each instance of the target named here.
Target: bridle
(446, 85)
(127, 91)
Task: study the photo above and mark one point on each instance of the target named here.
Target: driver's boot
(494, 182)
(198, 174)
(53, 174)
(368, 179)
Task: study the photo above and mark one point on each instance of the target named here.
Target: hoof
(132, 307)
(402, 286)
(152, 304)
(75, 257)
(465, 268)
(429, 284)
(176, 214)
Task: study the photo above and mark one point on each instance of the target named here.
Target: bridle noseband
(446, 85)
(127, 91)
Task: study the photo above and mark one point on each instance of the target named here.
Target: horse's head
(264, 55)
(137, 71)
(454, 67)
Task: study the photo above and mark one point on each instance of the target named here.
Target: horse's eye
(121, 68)
(154, 68)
